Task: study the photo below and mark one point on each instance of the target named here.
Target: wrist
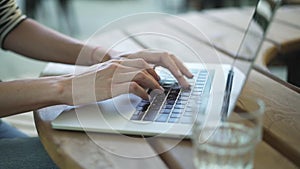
(119, 54)
(62, 86)
(98, 54)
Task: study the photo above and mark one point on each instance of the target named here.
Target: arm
(36, 41)
(33, 40)
(97, 83)
(26, 95)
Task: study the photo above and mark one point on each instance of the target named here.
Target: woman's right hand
(112, 78)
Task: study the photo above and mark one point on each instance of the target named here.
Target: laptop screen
(250, 45)
(255, 33)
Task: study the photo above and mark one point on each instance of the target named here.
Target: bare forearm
(39, 42)
(26, 95)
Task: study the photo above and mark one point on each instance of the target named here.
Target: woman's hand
(166, 60)
(112, 78)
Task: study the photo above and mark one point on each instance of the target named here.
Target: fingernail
(186, 85)
(156, 92)
(162, 89)
(158, 78)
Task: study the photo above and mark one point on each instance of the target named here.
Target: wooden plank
(181, 156)
(295, 2)
(114, 39)
(285, 35)
(282, 115)
(233, 17)
(289, 15)
(164, 37)
(281, 33)
(230, 35)
(267, 52)
(71, 149)
(288, 37)
(286, 43)
(223, 37)
(237, 18)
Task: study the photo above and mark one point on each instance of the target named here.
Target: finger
(114, 69)
(143, 78)
(110, 89)
(137, 63)
(163, 59)
(141, 64)
(124, 69)
(152, 72)
(182, 67)
(118, 68)
(171, 65)
(129, 87)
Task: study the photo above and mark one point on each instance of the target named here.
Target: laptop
(171, 113)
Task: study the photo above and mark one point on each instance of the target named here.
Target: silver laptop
(171, 113)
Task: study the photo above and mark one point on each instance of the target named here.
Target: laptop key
(162, 118)
(168, 106)
(143, 105)
(173, 115)
(173, 120)
(177, 111)
(165, 111)
(170, 102)
(139, 108)
(181, 98)
(198, 90)
(196, 93)
(150, 115)
(156, 104)
(159, 98)
(185, 94)
(179, 103)
(179, 107)
(138, 115)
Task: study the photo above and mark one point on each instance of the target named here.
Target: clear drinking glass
(228, 143)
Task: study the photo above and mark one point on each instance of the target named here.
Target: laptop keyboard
(173, 105)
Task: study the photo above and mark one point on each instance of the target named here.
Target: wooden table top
(224, 28)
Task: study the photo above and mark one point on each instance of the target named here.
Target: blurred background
(80, 19)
